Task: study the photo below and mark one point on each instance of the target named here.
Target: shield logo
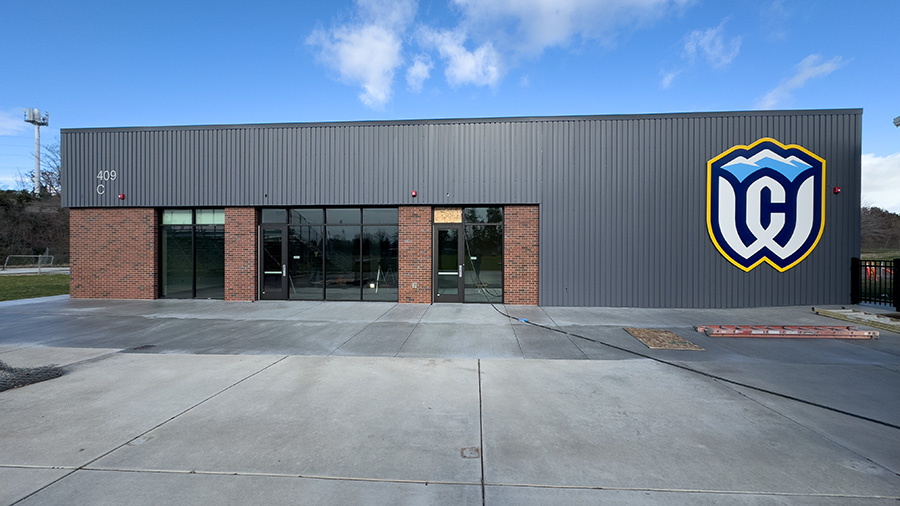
(765, 203)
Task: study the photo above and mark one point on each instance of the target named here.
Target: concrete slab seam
(712, 376)
(275, 475)
(807, 427)
(411, 332)
(694, 491)
(149, 430)
(481, 433)
(332, 352)
(569, 337)
(386, 311)
(94, 359)
(26, 466)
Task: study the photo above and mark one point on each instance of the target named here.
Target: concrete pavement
(198, 402)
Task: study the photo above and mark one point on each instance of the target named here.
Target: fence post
(894, 282)
(854, 280)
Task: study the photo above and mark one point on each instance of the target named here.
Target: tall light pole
(33, 116)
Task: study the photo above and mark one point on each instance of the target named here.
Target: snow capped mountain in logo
(742, 167)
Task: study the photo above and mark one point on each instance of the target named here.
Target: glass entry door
(448, 262)
(273, 276)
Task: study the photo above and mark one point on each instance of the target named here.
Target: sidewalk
(238, 403)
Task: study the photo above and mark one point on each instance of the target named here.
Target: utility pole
(33, 116)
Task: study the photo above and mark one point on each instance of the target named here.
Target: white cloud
(480, 67)
(12, 122)
(881, 181)
(368, 52)
(534, 25)
(711, 44)
(807, 69)
(667, 78)
(419, 72)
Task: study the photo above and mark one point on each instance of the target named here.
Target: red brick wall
(520, 255)
(113, 253)
(415, 254)
(240, 253)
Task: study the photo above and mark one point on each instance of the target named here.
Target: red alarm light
(414, 193)
(121, 196)
(836, 190)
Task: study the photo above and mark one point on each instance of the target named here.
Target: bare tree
(51, 163)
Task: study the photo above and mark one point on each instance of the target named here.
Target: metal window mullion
(194, 253)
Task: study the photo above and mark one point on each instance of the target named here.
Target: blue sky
(104, 63)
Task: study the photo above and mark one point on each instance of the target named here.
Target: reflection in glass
(339, 216)
(210, 266)
(178, 262)
(448, 267)
(379, 262)
(306, 262)
(177, 217)
(484, 263)
(307, 216)
(483, 214)
(274, 215)
(380, 215)
(342, 262)
(210, 217)
(272, 261)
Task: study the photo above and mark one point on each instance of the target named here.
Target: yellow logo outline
(765, 259)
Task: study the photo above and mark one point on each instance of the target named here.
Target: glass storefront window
(335, 253)
(483, 215)
(210, 217)
(305, 263)
(342, 262)
(379, 262)
(192, 253)
(379, 215)
(307, 217)
(274, 216)
(177, 261)
(340, 216)
(177, 217)
(484, 263)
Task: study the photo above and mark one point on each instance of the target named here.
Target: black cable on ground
(702, 373)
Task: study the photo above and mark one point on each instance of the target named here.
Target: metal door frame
(460, 257)
(284, 294)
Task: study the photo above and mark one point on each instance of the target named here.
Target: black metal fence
(873, 281)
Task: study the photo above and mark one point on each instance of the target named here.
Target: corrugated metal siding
(622, 198)
(623, 212)
(341, 164)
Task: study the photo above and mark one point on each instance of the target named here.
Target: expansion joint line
(481, 433)
(87, 464)
(706, 374)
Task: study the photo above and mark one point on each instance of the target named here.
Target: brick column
(415, 254)
(113, 253)
(520, 255)
(240, 253)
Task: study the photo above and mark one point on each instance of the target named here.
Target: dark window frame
(160, 251)
(360, 223)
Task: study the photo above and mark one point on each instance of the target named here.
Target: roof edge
(445, 121)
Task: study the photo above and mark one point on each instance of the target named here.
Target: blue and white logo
(766, 203)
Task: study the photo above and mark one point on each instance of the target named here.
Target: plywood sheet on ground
(656, 339)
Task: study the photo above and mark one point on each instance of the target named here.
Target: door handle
(460, 271)
(284, 270)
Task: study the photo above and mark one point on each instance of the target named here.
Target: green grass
(880, 254)
(14, 287)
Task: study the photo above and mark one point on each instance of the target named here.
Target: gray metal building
(622, 200)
